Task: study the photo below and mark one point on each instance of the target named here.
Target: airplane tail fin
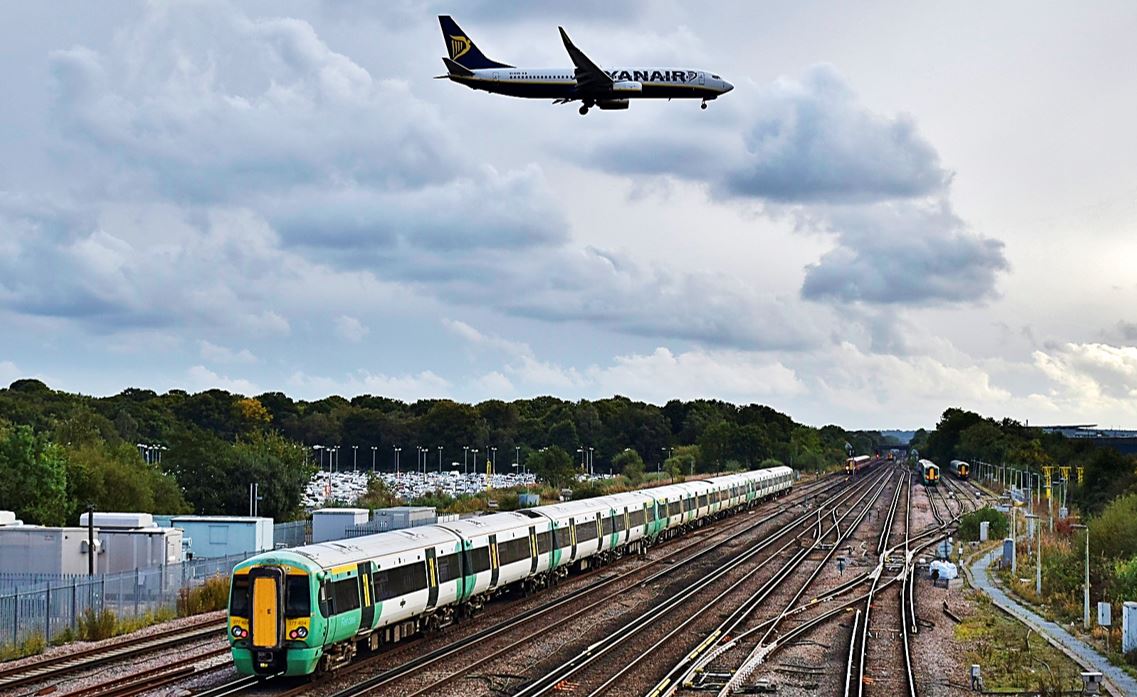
(461, 48)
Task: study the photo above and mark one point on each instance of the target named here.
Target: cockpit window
(716, 77)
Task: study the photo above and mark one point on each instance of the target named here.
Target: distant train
(309, 609)
(960, 469)
(929, 472)
(857, 464)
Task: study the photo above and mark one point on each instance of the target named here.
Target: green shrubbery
(209, 596)
(969, 524)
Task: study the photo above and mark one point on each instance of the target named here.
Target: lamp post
(517, 458)
(493, 460)
(581, 451)
(354, 458)
(1086, 590)
(396, 449)
(475, 451)
(1037, 554)
(374, 449)
(320, 454)
(440, 459)
(465, 454)
(590, 461)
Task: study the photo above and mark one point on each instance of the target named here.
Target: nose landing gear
(583, 110)
(703, 105)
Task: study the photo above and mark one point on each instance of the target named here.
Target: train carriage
(308, 609)
(960, 469)
(853, 465)
(929, 472)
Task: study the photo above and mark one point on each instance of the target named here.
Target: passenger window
(297, 597)
(345, 595)
(239, 596)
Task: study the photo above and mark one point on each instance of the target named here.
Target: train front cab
(271, 621)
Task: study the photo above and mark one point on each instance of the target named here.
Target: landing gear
(703, 105)
(583, 110)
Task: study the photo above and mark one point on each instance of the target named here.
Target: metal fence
(292, 534)
(49, 605)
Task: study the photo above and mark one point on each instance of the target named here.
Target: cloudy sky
(899, 208)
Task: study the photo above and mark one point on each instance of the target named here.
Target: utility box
(333, 523)
(984, 530)
(1008, 551)
(222, 536)
(40, 550)
(1105, 614)
(401, 517)
(1128, 627)
(131, 541)
(528, 500)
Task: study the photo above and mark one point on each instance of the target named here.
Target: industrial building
(132, 541)
(223, 536)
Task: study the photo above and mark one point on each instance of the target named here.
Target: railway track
(709, 538)
(52, 670)
(623, 647)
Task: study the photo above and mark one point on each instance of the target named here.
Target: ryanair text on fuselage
(586, 82)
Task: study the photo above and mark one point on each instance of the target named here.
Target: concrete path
(1117, 681)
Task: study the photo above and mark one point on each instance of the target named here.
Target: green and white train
(309, 609)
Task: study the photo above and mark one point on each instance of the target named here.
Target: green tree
(629, 463)
(116, 478)
(33, 477)
(280, 468)
(377, 495)
(203, 466)
(553, 466)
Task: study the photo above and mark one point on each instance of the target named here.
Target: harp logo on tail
(459, 46)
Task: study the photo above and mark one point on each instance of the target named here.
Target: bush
(969, 524)
(31, 646)
(95, 626)
(211, 595)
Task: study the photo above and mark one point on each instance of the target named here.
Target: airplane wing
(589, 76)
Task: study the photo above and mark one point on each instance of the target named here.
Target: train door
(495, 567)
(266, 618)
(627, 525)
(533, 550)
(431, 577)
(572, 537)
(366, 598)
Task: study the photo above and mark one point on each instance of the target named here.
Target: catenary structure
(309, 609)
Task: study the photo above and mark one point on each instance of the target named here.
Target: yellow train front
(275, 620)
(929, 473)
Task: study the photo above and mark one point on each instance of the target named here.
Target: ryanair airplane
(587, 83)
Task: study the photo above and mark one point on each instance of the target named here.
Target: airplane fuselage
(628, 83)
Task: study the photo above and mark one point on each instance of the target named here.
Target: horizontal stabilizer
(455, 68)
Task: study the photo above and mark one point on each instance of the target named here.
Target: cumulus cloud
(1094, 372)
(351, 329)
(222, 354)
(806, 140)
(422, 385)
(810, 146)
(200, 378)
(904, 252)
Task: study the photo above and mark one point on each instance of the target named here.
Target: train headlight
(301, 632)
(239, 633)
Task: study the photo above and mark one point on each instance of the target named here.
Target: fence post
(16, 617)
(74, 602)
(47, 615)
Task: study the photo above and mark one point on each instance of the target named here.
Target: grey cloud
(204, 104)
(904, 252)
(794, 141)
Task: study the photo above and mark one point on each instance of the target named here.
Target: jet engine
(627, 86)
(609, 104)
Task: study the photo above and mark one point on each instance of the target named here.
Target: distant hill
(902, 436)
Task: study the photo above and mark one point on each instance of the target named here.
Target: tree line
(61, 451)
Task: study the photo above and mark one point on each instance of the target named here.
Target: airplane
(587, 82)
